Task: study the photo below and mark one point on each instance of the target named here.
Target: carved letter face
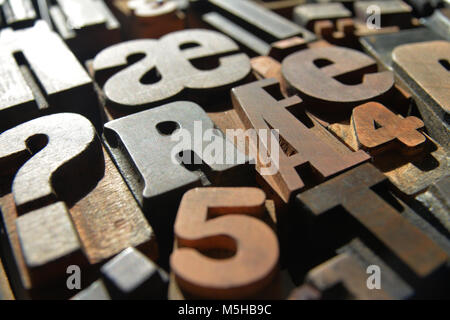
(167, 69)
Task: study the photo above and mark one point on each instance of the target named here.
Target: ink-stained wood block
(49, 242)
(252, 25)
(279, 289)
(249, 244)
(40, 79)
(5, 288)
(282, 7)
(87, 26)
(424, 69)
(281, 49)
(96, 291)
(148, 19)
(18, 14)
(439, 22)
(333, 80)
(423, 8)
(436, 199)
(266, 67)
(73, 169)
(377, 129)
(131, 275)
(307, 153)
(360, 201)
(413, 165)
(272, 25)
(247, 40)
(380, 46)
(190, 64)
(164, 162)
(345, 276)
(347, 31)
(391, 12)
(306, 15)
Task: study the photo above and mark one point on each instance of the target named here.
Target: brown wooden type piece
(335, 79)
(377, 128)
(408, 157)
(5, 288)
(306, 15)
(87, 26)
(281, 49)
(437, 201)
(73, 205)
(67, 203)
(148, 19)
(40, 79)
(214, 219)
(180, 65)
(333, 21)
(308, 154)
(160, 162)
(346, 276)
(424, 68)
(391, 13)
(359, 200)
(411, 168)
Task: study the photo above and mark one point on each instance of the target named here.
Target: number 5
(204, 222)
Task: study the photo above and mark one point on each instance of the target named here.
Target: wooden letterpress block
(306, 15)
(5, 288)
(38, 79)
(308, 154)
(282, 7)
(18, 14)
(422, 8)
(359, 202)
(408, 157)
(252, 25)
(63, 203)
(87, 26)
(439, 22)
(131, 275)
(128, 276)
(96, 291)
(184, 65)
(424, 69)
(249, 244)
(281, 49)
(333, 80)
(436, 200)
(148, 19)
(391, 12)
(170, 157)
(346, 276)
(380, 46)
